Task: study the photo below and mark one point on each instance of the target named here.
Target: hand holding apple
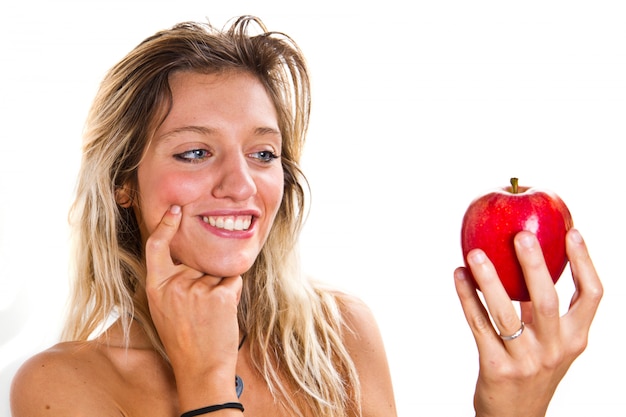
(493, 219)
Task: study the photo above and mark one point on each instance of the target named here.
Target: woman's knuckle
(509, 320)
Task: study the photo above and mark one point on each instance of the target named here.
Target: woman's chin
(224, 270)
(217, 265)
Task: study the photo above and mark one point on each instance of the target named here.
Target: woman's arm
(196, 317)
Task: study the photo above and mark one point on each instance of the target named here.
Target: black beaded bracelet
(211, 408)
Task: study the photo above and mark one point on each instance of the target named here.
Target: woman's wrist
(200, 391)
(214, 408)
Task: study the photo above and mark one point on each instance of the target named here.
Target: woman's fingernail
(175, 209)
(460, 274)
(576, 236)
(527, 240)
(478, 257)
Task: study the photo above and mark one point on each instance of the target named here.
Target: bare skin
(527, 370)
(102, 378)
(216, 156)
(213, 161)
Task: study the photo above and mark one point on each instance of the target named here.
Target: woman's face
(217, 155)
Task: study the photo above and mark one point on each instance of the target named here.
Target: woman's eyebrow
(202, 130)
(267, 131)
(208, 131)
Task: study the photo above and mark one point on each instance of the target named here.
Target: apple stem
(514, 185)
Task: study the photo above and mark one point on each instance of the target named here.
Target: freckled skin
(207, 116)
(492, 220)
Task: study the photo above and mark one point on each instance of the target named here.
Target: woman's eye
(265, 156)
(192, 155)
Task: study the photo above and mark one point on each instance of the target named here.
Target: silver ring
(515, 335)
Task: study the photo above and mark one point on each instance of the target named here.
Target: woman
(188, 207)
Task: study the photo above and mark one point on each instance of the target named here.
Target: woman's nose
(235, 180)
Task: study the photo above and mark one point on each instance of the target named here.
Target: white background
(418, 107)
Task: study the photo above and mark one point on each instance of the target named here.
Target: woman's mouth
(229, 222)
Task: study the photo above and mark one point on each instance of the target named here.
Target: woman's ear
(123, 197)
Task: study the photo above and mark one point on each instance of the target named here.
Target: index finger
(158, 256)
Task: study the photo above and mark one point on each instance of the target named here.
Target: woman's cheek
(161, 193)
(178, 190)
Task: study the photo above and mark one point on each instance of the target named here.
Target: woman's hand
(518, 377)
(196, 317)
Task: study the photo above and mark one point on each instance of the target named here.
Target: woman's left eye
(192, 155)
(265, 156)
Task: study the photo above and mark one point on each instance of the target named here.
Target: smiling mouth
(229, 222)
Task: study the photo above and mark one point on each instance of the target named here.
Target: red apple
(493, 219)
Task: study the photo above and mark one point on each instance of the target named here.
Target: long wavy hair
(294, 327)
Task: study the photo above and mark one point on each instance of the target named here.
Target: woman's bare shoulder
(364, 341)
(360, 328)
(60, 381)
(355, 312)
(61, 362)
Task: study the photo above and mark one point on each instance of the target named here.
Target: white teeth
(229, 222)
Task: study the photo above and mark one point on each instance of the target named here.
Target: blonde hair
(294, 328)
